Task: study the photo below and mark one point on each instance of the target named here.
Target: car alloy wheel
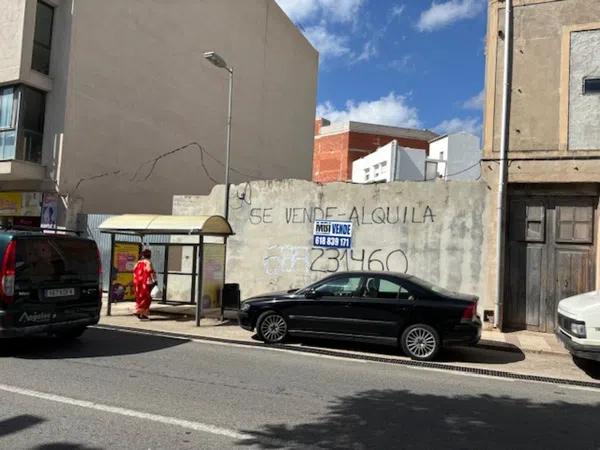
(420, 342)
(273, 328)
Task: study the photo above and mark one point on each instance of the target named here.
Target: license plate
(67, 292)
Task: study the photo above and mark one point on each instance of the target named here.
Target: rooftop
(384, 130)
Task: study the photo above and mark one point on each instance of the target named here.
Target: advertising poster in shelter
(213, 278)
(125, 257)
(49, 210)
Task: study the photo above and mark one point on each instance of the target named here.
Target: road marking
(190, 425)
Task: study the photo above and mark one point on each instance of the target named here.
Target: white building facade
(390, 163)
(454, 157)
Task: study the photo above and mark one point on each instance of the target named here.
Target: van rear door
(57, 279)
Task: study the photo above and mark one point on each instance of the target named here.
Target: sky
(409, 63)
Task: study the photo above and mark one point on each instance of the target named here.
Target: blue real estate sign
(332, 234)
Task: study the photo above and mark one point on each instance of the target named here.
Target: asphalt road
(120, 390)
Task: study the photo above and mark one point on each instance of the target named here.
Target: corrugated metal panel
(90, 225)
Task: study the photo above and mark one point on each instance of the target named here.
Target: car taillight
(470, 312)
(7, 274)
(99, 259)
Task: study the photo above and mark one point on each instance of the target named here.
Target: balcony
(14, 170)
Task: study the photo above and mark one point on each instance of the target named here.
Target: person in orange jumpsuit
(144, 279)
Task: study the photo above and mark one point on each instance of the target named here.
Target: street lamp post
(219, 62)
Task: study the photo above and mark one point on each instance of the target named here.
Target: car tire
(421, 342)
(71, 333)
(272, 327)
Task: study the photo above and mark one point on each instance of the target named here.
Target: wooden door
(550, 257)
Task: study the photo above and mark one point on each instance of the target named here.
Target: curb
(506, 347)
(365, 357)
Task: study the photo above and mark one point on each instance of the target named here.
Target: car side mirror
(291, 291)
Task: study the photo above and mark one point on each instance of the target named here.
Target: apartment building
(390, 163)
(551, 232)
(338, 145)
(93, 92)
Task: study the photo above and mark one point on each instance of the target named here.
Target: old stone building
(553, 156)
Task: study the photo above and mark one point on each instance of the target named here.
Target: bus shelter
(194, 228)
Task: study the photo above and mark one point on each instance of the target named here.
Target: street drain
(371, 358)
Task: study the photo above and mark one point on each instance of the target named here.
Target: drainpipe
(502, 179)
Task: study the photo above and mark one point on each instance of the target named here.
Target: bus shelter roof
(149, 224)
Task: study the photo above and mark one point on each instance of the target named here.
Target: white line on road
(190, 425)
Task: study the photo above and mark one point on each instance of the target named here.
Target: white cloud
(469, 125)
(397, 10)
(369, 50)
(392, 110)
(298, 10)
(475, 102)
(402, 64)
(334, 10)
(327, 43)
(341, 10)
(440, 15)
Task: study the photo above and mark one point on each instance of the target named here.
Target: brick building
(338, 145)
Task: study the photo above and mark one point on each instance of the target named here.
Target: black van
(49, 283)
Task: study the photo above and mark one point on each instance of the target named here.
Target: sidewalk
(181, 320)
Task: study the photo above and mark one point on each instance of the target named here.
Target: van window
(51, 259)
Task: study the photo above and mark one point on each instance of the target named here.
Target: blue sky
(414, 63)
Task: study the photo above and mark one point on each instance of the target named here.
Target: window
(383, 164)
(33, 105)
(591, 86)
(367, 176)
(8, 118)
(42, 38)
(384, 288)
(441, 156)
(46, 259)
(340, 287)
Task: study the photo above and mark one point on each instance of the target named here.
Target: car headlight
(578, 329)
(245, 307)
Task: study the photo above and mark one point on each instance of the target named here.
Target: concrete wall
(432, 230)
(410, 165)
(584, 110)
(138, 86)
(539, 104)
(12, 17)
(463, 156)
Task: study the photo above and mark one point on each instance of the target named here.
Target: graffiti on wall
(281, 259)
(360, 215)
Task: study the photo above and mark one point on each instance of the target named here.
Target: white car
(579, 325)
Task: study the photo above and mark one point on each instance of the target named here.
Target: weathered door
(550, 257)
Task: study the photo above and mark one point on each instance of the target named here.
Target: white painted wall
(390, 163)
(12, 17)
(457, 156)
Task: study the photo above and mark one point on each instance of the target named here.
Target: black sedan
(380, 307)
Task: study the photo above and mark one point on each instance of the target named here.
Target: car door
(327, 312)
(381, 310)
